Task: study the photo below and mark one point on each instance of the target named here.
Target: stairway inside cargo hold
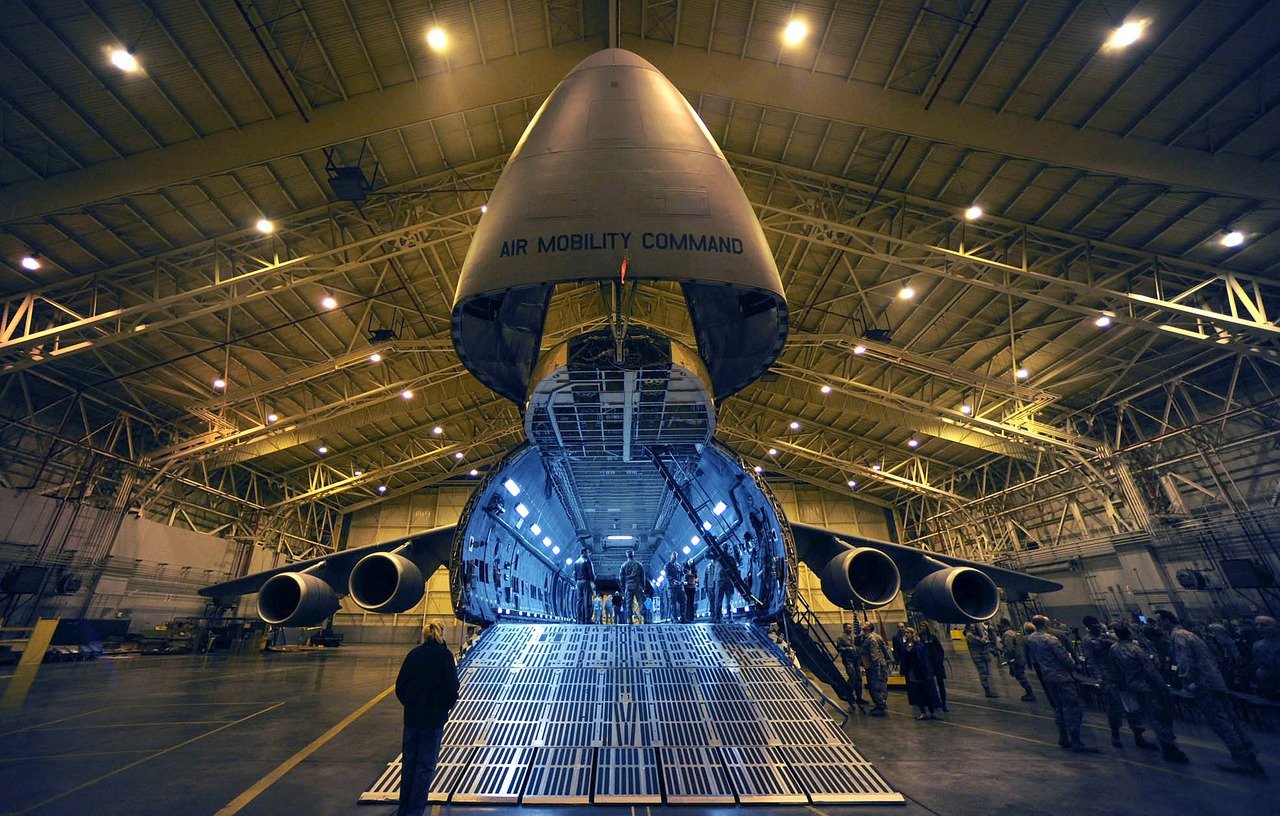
(681, 714)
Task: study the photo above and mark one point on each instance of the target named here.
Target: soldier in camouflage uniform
(875, 658)
(1097, 643)
(1137, 676)
(980, 654)
(1014, 650)
(851, 656)
(1055, 665)
(1200, 676)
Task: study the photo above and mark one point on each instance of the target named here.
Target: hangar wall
(149, 571)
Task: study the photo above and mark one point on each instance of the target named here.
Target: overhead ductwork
(860, 578)
(385, 582)
(956, 595)
(296, 599)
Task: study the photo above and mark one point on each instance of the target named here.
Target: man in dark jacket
(427, 687)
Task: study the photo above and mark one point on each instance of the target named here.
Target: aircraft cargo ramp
(681, 714)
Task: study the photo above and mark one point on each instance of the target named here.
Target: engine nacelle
(956, 595)
(861, 577)
(386, 582)
(296, 599)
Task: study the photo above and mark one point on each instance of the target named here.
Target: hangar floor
(308, 732)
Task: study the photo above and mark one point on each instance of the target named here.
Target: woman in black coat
(921, 691)
(937, 662)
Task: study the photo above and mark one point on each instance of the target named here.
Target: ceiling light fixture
(795, 426)
(1022, 374)
(474, 472)
(484, 208)
(124, 59)
(437, 430)
(329, 302)
(795, 32)
(877, 468)
(966, 409)
(1126, 35)
(913, 442)
(437, 39)
(272, 418)
(265, 227)
(1232, 239)
(826, 389)
(458, 455)
(973, 213)
(1102, 321)
(859, 349)
(382, 488)
(758, 469)
(359, 473)
(852, 483)
(31, 262)
(375, 357)
(406, 394)
(773, 451)
(906, 293)
(322, 450)
(219, 384)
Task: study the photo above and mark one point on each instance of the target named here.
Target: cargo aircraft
(617, 185)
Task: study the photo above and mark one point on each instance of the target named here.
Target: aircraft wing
(816, 546)
(428, 550)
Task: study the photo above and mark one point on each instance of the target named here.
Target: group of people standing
(633, 600)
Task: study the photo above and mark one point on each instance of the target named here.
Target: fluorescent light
(1102, 321)
(329, 302)
(859, 349)
(124, 59)
(30, 262)
(719, 508)
(1126, 35)
(437, 39)
(522, 510)
(1232, 239)
(535, 529)
(512, 487)
(706, 525)
(568, 561)
(265, 227)
(687, 551)
(695, 541)
(619, 538)
(546, 542)
(795, 32)
(973, 213)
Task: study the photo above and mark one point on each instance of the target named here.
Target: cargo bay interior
(1030, 270)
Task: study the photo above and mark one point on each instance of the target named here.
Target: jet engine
(955, 595)
(385, 582)
(860, 577)
(296, 599)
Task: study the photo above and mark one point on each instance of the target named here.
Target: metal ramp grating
(683, 714)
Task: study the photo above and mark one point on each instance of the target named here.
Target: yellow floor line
(255, 790)
(147, 758)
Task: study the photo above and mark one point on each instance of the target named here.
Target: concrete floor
(201, 734)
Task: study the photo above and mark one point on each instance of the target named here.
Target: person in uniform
(899, 645)
(584, 578)
(1097, 643)
(673, 577)
(427, 687)
(725, 577)
(921, 691)
(711, 587)
(1136, 675)
(875, 661)
(632, 580)
(1055, 664)
(1266, 657)
(616, 602)
(937, 663)
(851, 657)
(1013, 648)
(1200, 676)
(690, 584)
(980, 654)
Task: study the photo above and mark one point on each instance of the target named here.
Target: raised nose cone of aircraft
(617, 167)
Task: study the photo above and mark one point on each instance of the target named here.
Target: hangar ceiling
(1107, 178)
